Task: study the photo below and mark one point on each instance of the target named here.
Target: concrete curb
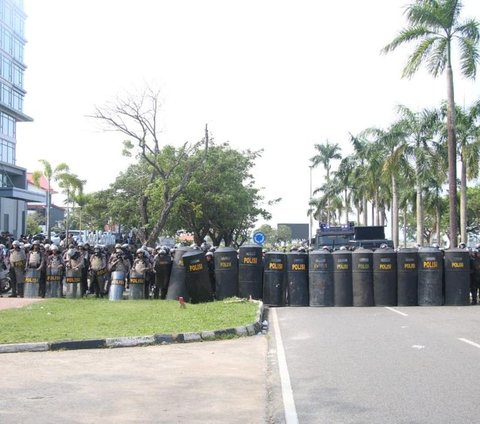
(156, 339)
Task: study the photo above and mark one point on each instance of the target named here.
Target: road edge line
(403, 314)
(469, 342)
(287, 394)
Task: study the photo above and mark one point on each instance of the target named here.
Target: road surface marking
(287, 394)
(469, 342)
(396, 311)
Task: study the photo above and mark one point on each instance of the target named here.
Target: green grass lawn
(78, 319)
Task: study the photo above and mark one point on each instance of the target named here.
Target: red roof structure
(43, 183)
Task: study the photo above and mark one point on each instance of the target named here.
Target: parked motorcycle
(5, 284)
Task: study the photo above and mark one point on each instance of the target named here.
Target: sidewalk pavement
(208, 382)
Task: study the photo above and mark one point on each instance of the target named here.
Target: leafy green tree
(33, 223)
(220, 201)
(138, 118)
(284, 234)
(435, 25)
(98, 210)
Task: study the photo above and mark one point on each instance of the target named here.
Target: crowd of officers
(95, 265)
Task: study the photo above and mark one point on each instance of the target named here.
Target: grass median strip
(80, 319)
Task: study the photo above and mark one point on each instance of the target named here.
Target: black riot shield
(342, 278)
(250, 272)
(385, 277)
(407, 277)
(430, 277)
(320, 278)
(226, 272)
(297, 279)
(176, 286)
(274, 279)
(197, 279)
(362, 277)
(457, 277)
(163, 268)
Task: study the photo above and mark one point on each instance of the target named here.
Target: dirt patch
(16, 302)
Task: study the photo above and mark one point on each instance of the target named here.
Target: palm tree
(359, 178)
(326, 154)
(435, 24)
(72, 186)
(81, 199)
(343, 177)
(419, 129)
(468, 138)
(394, 167)
(48, 172)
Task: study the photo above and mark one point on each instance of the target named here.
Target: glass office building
(13, 179)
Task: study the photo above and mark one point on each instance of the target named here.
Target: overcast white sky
(263, 74)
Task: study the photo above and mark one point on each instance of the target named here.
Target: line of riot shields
(384, 277)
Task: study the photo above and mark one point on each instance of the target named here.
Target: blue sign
(259, 238)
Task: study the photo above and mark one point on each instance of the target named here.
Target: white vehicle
(55, 238)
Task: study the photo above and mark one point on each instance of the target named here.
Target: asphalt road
(374, 365)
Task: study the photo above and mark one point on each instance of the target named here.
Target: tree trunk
(373, 212)
(346, 205)
(463, 199)
(437, 225)
(395, 237)
(419, 212)
(365, 211)
(405, 227)
(452, 158)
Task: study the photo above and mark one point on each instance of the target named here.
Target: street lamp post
(310, 224)
(49, 200)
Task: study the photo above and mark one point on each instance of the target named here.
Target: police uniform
(141, 265)
(55, 274)
(162, 266)
(17, 260)
(98, 268)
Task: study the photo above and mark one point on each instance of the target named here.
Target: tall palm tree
(343, 177)
(81, 199)
(468, 137)
(394, 166)
(72, 185)
(48, 172)
(359, 178)
(435, 25)
(327, 152)
(420, 129)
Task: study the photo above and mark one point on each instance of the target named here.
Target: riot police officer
(118, 261)
(98, 270)
(141, 266)
(475, 274)
(17, 259)
(211, 271)
(36, 260)
(162, 266)
(55, 272)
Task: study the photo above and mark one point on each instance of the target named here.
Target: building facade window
(7, 151)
